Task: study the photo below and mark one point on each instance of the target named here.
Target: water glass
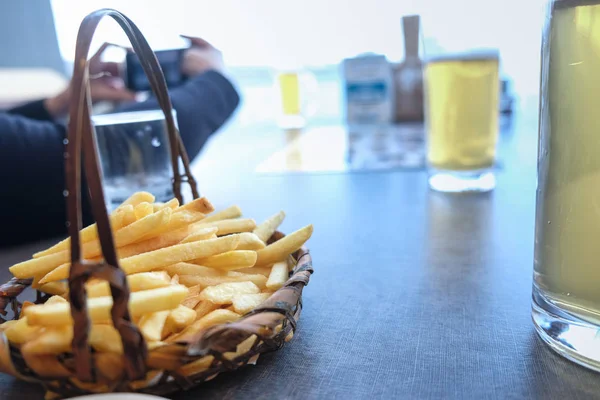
(135, 154)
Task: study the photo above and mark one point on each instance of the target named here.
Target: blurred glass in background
(257, 36)
(461, 108)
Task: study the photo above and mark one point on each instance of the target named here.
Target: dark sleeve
(203, 104)
(32, 176)
(34, 110)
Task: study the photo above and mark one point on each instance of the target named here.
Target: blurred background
(260, 39)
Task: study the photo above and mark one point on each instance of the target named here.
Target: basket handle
(81, 133)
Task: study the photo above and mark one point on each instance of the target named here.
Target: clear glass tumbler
(135, 154)
(566, 287)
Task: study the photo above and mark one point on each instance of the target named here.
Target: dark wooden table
(415, 294)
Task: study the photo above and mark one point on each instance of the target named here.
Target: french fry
(56, 340)
(56, 299)
(197, 366)
(205, 307)
(136, 283)
(39, 266)
(46, 365)
(147, 280)
(184, 268)
(266, 229)
(143, 210)
(242, 348)
(126, 235)
(194, 291)
(173, 204)
(250, 241)
(228, 213)
(161, 257)
(205, 281)
(213, 318)
(279, 275)
(266, 271)
(137, 198)
(180, 318)
(55, 288)
(224, 292)
(164, 240)
(26, 304)
(279, 250)
(191, 301)
(177, 221)
(140, 303)
(200, 205)
(227, 226)
(178, 253)
(290, 336)
(59, 273)
(168, 360)
(243, 303)
(5, 325)
(106, 339)
(151, 325)
(231, 260)
(51, 341)
(35, 282)
(21, 331)
(118, 219)
(193, 297)
(201, 234)
(141, 228)
(126, 218)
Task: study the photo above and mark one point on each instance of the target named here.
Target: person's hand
(201, 57)
(105, 85)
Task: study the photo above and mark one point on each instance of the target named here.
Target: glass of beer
(297, 88)
(461, 117)
(566, 283)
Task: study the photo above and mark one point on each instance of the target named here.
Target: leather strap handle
(81, 135)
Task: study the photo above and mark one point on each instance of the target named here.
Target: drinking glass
(297, 88)
(566, 284)
(461, 115)
(135, 154)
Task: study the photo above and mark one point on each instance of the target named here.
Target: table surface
(415, 294)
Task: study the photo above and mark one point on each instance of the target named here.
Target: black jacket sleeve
(34, 110)
(32, 178)
(32, 175)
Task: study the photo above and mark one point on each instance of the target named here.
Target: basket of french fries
(154, 297)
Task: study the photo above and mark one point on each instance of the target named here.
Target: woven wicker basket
(174, 366)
